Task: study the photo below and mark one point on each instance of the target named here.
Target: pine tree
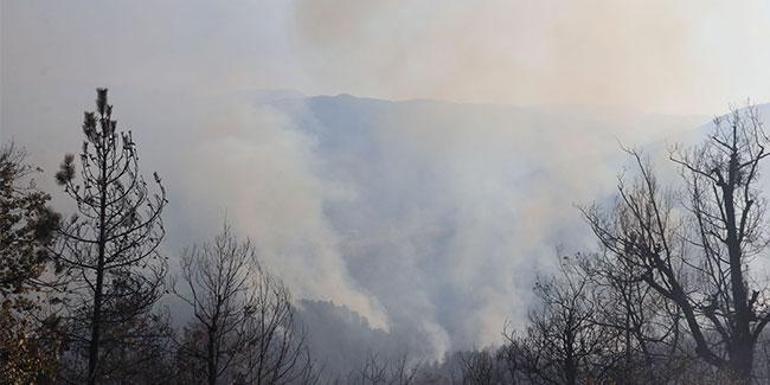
(26, 225)
(28, 349)
(110, 247)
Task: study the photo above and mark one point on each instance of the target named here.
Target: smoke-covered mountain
(428, 219)
(443, 209)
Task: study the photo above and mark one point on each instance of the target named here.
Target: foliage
(28, 349)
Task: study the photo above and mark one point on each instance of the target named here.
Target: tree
(26, 226)
(694, 244)
(378, 371)
(28, 349)
(512, 357)
(244, 330)
(110, 247)
(649, 347)
(564, 344)
(481, 368)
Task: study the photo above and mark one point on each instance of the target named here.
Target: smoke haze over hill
(407, 168)
(403, 212)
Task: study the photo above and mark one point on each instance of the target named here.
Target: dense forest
(673, 293)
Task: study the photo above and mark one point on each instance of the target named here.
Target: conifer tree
(28, 349)
(110, 247)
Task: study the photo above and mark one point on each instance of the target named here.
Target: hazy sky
(690, 56)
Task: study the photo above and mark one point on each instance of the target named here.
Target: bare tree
(564, 345)
(513, 357)
(244, 328)
(378, 371)
(695, 245)
(276, 352)
(110, 246)
(648, 336)
(142, 357)
(481, 368)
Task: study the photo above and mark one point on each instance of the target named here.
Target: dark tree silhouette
(26, 225)
(376, 370)
(244, 330)
(28, 349)
(110, 245)
(696, 248)
(565, 345)
(481, 368)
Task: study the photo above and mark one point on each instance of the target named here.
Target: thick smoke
(428, 219)
(648, 55)
(409, 214)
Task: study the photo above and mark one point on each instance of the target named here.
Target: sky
(406, 213)
(681, 57)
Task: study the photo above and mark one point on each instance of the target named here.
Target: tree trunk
(96, 318)
(211, 364)
(741, 363)
(570, 366)
(742, 351)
